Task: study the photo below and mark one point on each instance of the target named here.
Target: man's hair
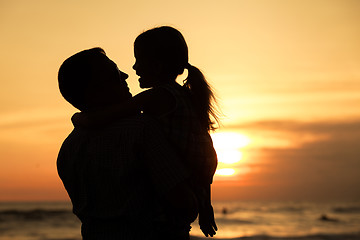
(76, 73)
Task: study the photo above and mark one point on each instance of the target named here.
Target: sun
(228, 146)
(229, 140)
(225, 171)
(229, 155)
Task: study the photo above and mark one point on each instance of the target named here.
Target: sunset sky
(286, 73)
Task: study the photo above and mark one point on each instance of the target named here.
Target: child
(184, 111)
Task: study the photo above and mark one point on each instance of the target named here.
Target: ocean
(236, 220)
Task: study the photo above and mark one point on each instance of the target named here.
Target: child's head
(161, 55)
(161, 50)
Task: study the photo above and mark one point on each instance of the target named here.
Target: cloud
(293, 125)
(342, 132)
(34, 127)
(320, 168)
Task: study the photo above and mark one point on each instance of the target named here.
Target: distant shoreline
(350, 236)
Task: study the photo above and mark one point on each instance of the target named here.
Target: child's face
(148, 69)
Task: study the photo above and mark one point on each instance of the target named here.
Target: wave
(35, 214)
(346, 210)
(232, 221)
(287, 209)
(280, 209)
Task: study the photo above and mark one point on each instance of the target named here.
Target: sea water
(236, 219)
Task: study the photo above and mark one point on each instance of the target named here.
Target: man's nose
(134, 66)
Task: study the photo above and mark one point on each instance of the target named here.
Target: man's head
(89, 79)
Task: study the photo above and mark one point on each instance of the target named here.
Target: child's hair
(167, 45)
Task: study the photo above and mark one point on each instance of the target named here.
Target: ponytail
(203, 97)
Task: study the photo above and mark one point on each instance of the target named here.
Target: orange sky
(287, 74)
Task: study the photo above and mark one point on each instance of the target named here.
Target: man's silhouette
(124, 179)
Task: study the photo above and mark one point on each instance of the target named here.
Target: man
(124, 180)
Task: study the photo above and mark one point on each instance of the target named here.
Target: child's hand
(207, 221)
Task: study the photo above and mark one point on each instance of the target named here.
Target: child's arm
(157, 101)
(206, 213)
(154, 102)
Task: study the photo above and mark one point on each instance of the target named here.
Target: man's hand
(87, 120)
(207, 220)
(79, 119)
